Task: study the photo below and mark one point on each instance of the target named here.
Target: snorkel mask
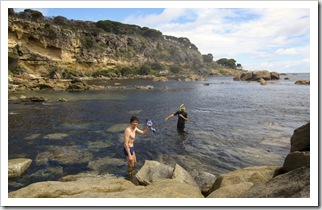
(182, 108)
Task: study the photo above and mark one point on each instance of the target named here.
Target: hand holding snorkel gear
(150, 123)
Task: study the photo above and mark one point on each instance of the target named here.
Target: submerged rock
(64, 155)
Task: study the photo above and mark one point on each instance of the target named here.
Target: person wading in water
(182, 118)
(129, 138)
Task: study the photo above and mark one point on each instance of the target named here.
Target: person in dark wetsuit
(182, 118)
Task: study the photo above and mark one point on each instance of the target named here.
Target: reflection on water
(231, 125)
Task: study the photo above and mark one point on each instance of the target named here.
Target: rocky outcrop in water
(258, 75)
(302, 82)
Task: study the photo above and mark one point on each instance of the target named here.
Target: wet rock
(246, 76)
(34, 99)
(275, 75)
(64, 155)
(159, 79)
(17, 166)
(258, 74)
(302, 82)
(148, 87)
(77, 85)
(56, 136)
(262, 81)
(103, 165)
(43, 86)
(50, 173)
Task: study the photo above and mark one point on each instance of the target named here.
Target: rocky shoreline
(157, 180)
(30, 82)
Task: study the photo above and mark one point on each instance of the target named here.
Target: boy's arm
(145, 131)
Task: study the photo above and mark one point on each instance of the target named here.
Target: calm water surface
(231, 125)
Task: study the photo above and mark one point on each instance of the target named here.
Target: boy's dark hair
(133, 118)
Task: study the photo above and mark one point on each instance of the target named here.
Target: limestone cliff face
(41, 46)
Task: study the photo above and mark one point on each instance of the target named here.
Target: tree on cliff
(207, 58)
(230, 63)
(28, 14)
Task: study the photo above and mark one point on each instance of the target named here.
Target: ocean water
(232, 124)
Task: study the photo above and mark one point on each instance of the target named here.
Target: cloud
(168, 15)
(292, 51)
(263, 33)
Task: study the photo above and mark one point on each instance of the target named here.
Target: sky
(274, 39)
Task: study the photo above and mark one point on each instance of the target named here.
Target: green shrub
(145, 69)
(126, 70)
(107, 73)
(175, 69)
(70, 74)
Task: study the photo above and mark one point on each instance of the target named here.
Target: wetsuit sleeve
(175, 114)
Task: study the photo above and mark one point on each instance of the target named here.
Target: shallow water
(232, 124)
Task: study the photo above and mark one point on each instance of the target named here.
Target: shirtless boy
(129, 138)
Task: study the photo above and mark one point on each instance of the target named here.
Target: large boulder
(231, 191)
(152, 171)
(264, 74)
(296, 160)
(275, 75)
(246, 76)
(204, 180)
(294, 184)
(302, 82)
(254, 174)
(300, 140)
(300, 149)
(257, 75)
(182, 176)
(17, 166)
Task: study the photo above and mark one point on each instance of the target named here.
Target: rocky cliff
(58, 46)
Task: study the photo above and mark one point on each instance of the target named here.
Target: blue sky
(274, 39)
